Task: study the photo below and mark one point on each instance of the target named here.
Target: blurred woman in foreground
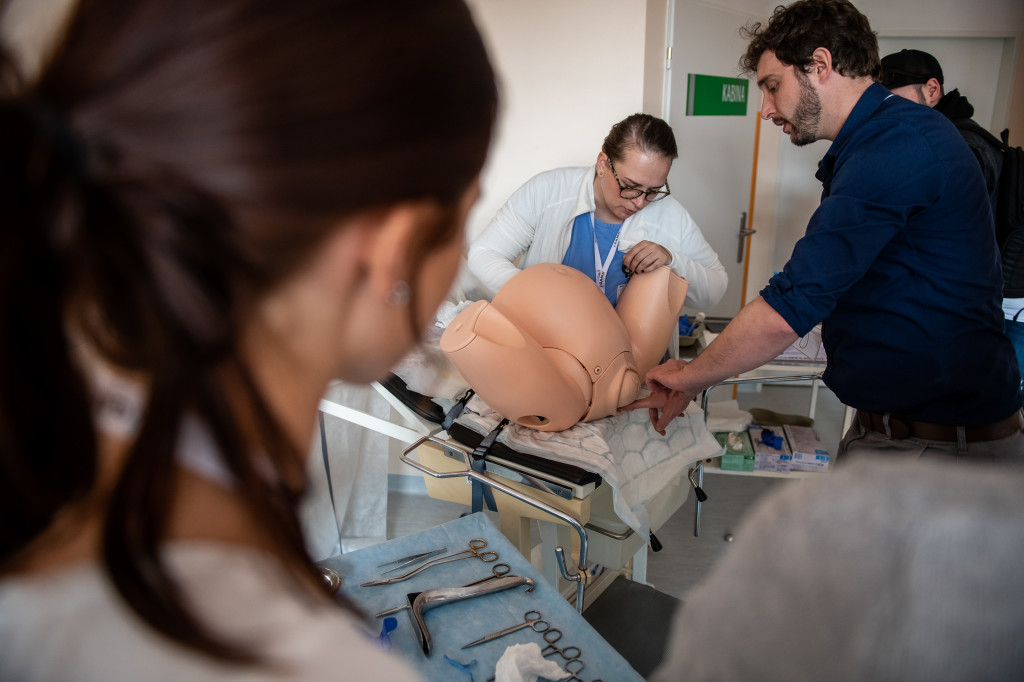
(209, 210)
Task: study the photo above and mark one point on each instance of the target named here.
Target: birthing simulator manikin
(550, 350)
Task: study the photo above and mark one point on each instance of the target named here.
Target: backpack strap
(971, 125)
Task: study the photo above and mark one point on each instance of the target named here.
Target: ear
(820, 66)
(601, 156)
(932, 91)
(387, 255)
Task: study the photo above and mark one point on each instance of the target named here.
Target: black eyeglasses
(633, 192)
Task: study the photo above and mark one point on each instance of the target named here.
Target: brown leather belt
(900, 428)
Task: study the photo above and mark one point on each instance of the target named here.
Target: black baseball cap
(908, 67)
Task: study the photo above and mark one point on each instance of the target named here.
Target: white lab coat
(537, 220)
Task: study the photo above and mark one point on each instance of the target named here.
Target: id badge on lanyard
(601, 267)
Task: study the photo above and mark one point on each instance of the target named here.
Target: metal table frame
(698, 471)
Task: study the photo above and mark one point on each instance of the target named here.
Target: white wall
(568, 70)
(943, 17)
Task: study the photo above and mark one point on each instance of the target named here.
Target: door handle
(743, 234)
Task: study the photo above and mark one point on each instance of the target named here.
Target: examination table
(616, 476)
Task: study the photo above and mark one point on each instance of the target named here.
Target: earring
(400, 295)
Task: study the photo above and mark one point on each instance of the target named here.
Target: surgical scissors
(531, 619)
(475, 545)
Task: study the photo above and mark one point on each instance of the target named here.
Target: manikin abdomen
(550, 351)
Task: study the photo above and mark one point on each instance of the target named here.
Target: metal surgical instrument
(571, 654)
(475, 545)
(498, 571)
(574, 666)
(429, 599)
(531, 619)
(331, 577)
(412, 559)
(568, 653)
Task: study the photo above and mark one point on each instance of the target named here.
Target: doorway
(711, 177)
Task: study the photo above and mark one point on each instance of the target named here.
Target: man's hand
(669, 395)
(754, 337)
(646, 257)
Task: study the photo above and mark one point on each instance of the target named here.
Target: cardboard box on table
(766, 457)
(809, 452)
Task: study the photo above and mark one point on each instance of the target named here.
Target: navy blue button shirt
(899, 263)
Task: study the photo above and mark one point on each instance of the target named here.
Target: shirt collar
(869, 102)
(585, 196)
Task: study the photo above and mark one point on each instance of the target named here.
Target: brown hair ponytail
(219, 144)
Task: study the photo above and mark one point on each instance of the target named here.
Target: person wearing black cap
(917, 76)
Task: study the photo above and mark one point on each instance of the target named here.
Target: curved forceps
(531, 619)
(475, 545)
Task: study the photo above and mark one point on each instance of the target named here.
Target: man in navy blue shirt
(899, 261)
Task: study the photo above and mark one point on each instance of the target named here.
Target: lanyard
(601, 268)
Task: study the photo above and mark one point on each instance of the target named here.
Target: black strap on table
(482, 493)
(452, 414)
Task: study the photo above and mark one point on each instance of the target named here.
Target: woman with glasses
(608, 220)
(208, 211)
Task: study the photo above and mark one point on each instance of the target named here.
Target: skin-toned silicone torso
(550, 350)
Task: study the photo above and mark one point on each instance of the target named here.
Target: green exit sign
(716, 96)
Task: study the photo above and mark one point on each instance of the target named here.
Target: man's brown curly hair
(794, 32)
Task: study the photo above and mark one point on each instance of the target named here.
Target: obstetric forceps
(475, 545)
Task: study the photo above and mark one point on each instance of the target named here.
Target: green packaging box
(739, 453)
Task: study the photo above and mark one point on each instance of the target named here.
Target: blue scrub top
(580, 254)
